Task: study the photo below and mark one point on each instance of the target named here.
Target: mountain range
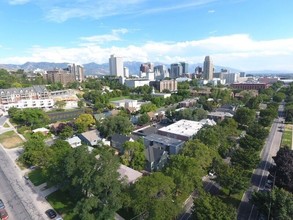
(94, 68)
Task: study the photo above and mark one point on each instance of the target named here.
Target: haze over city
(242, 34)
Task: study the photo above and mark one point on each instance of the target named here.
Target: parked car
(212, 173)
(2, 206)
(3, 214)
(51, 213)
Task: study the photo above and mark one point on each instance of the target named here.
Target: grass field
(287, 136)
(6, 125)
(36, 177)
(63, 204)
(10, 139)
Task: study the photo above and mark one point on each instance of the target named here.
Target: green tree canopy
(84, 121)
(212, 207)
(284, 170)
(244, 116)
(277, 204)
(115, 124)
(134, 155)
(94, 179)
(154, 197)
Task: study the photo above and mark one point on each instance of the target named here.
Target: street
(22, 200)
(246, 211)
(209, 186)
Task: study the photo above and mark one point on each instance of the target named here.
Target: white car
(212, 173)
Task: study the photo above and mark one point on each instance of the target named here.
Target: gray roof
(164, 140)
(120, 138)
(91, 135)
(153, 154)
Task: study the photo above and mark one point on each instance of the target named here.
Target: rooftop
(183, 127)
(186, 128)
(164, 140)
(130, 174)
(91, 135)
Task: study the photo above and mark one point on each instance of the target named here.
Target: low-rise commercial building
(184, 129)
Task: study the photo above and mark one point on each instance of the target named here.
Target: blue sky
(244, 34)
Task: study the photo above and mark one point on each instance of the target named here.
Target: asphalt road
(246, 211)
(209, 186)
(15, 193)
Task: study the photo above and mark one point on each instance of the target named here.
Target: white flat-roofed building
(30, 103)
(184, 129)
(133, 83)
(129, 174)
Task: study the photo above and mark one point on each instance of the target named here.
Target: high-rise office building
(176, 70)
(116, 66)
(126, 72)
(208, 68)
(146, 67)
(77, 71)
(184, 67)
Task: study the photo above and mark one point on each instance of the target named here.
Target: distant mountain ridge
(94, 68)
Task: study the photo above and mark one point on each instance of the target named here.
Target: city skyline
(236, 33)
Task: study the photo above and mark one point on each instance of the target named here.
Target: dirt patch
(10, 140)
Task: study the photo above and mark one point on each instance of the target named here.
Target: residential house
(171, 145)
(118, 140)
(90, 137)
(44, 131)
(74, 141)
(128, 174)
(156, 158)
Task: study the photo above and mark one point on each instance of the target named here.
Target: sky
(242, 34)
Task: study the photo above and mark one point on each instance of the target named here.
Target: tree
(149, 107)
(143, 119)
(94, 180)
(278, 97)
(231, 178)
(277, 204)
(257, 131)
(84, 121)
(115, 124)
(251, 143)
(209, 136)
(212, 207)
(34, 151)
(80, 104)
(245, 158)
(32, 117)
(186, 173)
(284, 171)
(153, 196)
(134, 155)
(60, 104)
(54, 168)
(244, 116)
(203, 154)
(66, 132)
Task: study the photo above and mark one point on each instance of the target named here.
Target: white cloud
(211, 11)
(99, 39)
(62, 10)
(18, 2)
(238, 51)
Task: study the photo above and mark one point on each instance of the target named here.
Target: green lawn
(6, 125)
(119, 98)
(287, 136)
(63, 204)
(36, 177)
